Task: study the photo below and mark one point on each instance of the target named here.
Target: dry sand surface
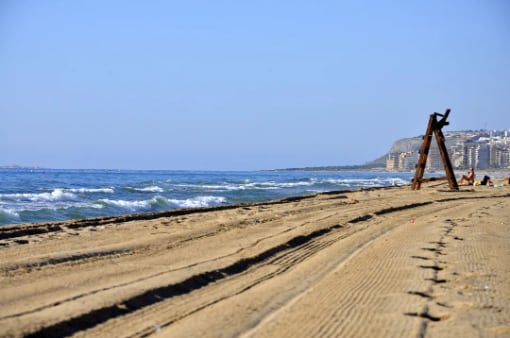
(386, 262)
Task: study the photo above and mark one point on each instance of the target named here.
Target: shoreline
(64, 195)
(185, 211)
(143, 216)
(386, 260)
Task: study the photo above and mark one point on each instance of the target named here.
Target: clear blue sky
(241, 85)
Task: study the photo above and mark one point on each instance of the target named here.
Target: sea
(43, 195)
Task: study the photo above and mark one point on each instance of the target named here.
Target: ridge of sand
(381, 262)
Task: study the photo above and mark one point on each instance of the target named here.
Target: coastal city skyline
(481, 149)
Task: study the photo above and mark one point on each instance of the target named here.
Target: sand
(386, 262)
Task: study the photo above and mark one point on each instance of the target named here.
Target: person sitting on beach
(499, 182)
(486, 181)
(470, 177)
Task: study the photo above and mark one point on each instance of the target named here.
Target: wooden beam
(448, 168)
(424, 152)
(432, 179)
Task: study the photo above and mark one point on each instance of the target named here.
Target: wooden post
(448, 168)
(424, 153)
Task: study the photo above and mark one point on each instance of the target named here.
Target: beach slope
(386, 262)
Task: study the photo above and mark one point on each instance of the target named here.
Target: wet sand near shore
(381, 262)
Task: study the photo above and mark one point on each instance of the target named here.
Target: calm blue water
(50, 195)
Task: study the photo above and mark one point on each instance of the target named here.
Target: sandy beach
(387, 262)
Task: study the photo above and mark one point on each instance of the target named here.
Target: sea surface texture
(51, 195)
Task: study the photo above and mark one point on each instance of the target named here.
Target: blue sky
(242, 85)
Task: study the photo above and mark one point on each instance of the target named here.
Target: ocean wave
(135, 205)
(199, 201)
(152, 188)
(58, 206)
(7, 215)
(211, 187)
(364, 182)
(91, 190)
(35, 212)
(269, 185)
(284, 185)
(398, 181)
(55, 195)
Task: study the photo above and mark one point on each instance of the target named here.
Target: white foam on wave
(131, 205)
(14, 210)
(55, 195)
(210, 187)
(268, 185)
(199, 201)
(91, 190)
(152, 188)
(365, 182)
(134, 205)
(293, 184)
(399, 181)
(8, 213)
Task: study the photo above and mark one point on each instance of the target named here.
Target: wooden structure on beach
(434, 127)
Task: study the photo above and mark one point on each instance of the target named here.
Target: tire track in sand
(194, 282)
(100, 291)
(235, 303)
(358, 293)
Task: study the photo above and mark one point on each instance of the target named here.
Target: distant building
(476, 155)
(499, 156)
(469, 154)
(392, 162)
(409, 161)
(434, 161)
(482, 156)
(404, 161)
